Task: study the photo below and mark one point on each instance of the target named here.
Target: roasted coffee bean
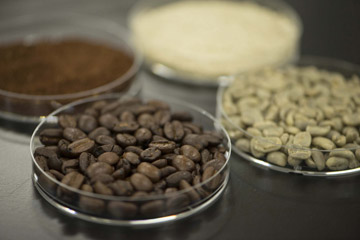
(134, 149)
(215, 163)
(126, 127)
(132, 158)
(159, 105)
(85, 160)
(122, 188)
(101, 188)
(50, 136)
(69, 164)
(42, 162)
(92, 112)
(53, 161)
(108, 148)
(177, 202)
(127, 116)
(196, 180)
(181, 116)
(63, 148)
(219, 156)
(150, 154)
(143, 109)
(99, 105)
(66, 120)
(110, 107)
(87, 123)
(125, 140)
(87, 188)
(212, 138)
(108, 120)
(82, 145)
(149, 170)
(174, 130)
(143, 136)
(197, 169)
(205, 156)
(160, 163)
(141, 182)
(190, 191)
(195, 141)
(152, 208)
(192, 127)
(58, 175)
(170, 190)
(157, 130)
(110, 158)
(125, 165)
(161, 117)
(164, 146)
(209, 173)
(119, 174)
(166, 171)
(104, 139)
(102, 177)
(98, 168)
(160, 185)
(72, 179)
(91, 205)
(73, 134)
(169, 156)
(146, 120)
(174, 179)
(190, 152)
(122, 209)
(159, 138)
(183, 163)
(98, 131)
(139, 195)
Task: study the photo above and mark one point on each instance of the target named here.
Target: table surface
(257, 204)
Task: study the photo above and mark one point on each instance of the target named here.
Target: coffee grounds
(67, 66)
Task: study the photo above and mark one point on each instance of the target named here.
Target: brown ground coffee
(68, 66)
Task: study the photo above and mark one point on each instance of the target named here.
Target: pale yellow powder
(212, 38)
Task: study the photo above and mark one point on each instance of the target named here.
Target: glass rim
(117, 96)
(91, 21)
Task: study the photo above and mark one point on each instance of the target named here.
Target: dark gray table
(257, 204)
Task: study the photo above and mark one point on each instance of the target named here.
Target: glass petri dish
(28, 29)
(127, 210)
(236, 132)
(167, 69)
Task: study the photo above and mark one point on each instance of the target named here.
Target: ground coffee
(68, 66)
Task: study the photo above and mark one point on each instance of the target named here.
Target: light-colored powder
(212, 38)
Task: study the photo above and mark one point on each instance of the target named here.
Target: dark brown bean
(91, 205)
(183, 163)
(125, 139)
(149, 170)
(102, 177)
(170, 190)
(92, 112)
(215, 163)
(205, 156)
(72, 179)
(73, 134)
(101, 188)
(160, 185)
(99, 105)
(190, 191)
(134, 149)
(87, 188)
(143, 136)
(122, 209)
(126, 127)
(194, 140)
(169, 156)
(82, 145)
(159, 105)
(139, 195)
(174, 130)
(98, 131)
(208, 173)
(164, 146)
(161, 117)
(50, 136)
(87, 123)
(212, 139)
(177, 202)
(98, 168)
(190, 152)
(108, 148)
(174, 179)
(53, 161)
(181, 116)
(42, 162)
(119, 174)
(66, 120)
(104, 139)
(150, 154)
(219, 156)
(146, 120)
(194, 128)
(160, 163)
(141, 182)
(69, 164)
(133, 158)
(110, 158)
(108, 120)
(127, 116)
(152, 208)
(58, 175)
(143, 109)
(122, 188)
(85, 160)
(166, 171)
(63, 148)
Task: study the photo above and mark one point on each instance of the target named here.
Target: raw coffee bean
(146, 120)
(159, 105)
(164, 146)
(177, 202)
(122, 209)
(101, 188)
(162, 117)
(87, 188)
(125, 139)
(122, 188)
(174, 179)
(205, 156)
(50, 136)
(323, 143)
(66, 120)
(181, 116)
(87, 123)
(108, 120)
(277, 158)
(119, 174)
(166, 171)
(127, 116)
(104, 139)
(102, 177)
(73, 134)
(134, 149)
(85, 159)
(110, 158)
(141, 182)
(132, 158)
(183, 163)
(58, 175)
(98, 168)
(152, 208)
(149, 170)
(174, 130)
(150, 154)
(91, 205)
(82, 145)
(194, 140)
(108, 148)
(190, 152)
(42, 162)
(337, 163)
(69, 164)
(160, 163)
(98, 131)
(190, 191)
(143, 136)
(126, 127)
